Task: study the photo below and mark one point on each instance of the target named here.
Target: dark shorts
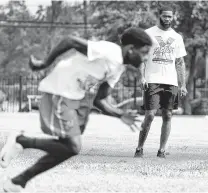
(160, 96)
(63, 117)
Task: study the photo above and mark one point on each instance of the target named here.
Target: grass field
(106, 162)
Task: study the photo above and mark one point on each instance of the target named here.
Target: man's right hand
(131, 119)
(144, 84)
(36, 64)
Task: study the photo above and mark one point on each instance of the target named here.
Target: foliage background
(108, 19)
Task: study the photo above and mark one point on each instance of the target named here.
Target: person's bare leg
(146, 124)
(166, 128)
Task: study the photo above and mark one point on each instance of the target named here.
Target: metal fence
(14, 92)
(203, 92)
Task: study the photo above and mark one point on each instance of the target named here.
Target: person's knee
(166, 115)
(75, 144)
(76, 148)
(150, 116)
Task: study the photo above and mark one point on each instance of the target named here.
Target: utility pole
(51, 28)
(85, 19)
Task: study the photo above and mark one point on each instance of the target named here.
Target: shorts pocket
(65, 119)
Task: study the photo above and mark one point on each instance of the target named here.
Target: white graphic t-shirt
(75, 73)
(167, 46)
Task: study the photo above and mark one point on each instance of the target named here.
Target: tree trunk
(192, 73)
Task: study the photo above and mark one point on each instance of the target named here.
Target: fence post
(135, 89)
(20, 93)
(194, 89)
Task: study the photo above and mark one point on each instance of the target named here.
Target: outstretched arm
(66, 44)
(101, 101)
(129, 118)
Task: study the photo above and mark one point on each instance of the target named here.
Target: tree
(17, 43)
(12, 44)
(194, 26)
(111, 18)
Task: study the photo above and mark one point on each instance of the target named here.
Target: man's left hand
(183, 91)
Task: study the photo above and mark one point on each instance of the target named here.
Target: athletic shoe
(161, 154)
(139, 153)
(9, 186)
(11, 150)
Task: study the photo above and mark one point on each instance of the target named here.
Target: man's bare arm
(141, 75)
(129, 118)
(181, 71)
(66, 44)
(101, 101)
(141, 71)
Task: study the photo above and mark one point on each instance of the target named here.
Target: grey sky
(33, 4)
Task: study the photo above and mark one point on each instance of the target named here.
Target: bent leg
(59, 151)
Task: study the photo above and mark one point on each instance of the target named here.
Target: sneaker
(139, 153)
(9, 186)
(11, 150)
(161, 154)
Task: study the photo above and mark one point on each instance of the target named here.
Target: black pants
(58, 150)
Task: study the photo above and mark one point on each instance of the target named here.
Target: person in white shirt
(80, 66)
(160, 75)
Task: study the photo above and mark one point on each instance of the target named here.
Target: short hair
(135, 36)
(165, 8)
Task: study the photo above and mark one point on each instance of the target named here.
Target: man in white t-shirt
(159, 77)
(80, 66)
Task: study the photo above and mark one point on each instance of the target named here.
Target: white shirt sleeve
(94, 50)
(113, 56)
(104, 49)
(180, 49)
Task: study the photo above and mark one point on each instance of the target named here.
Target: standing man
(64, 108)
(160, 76)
